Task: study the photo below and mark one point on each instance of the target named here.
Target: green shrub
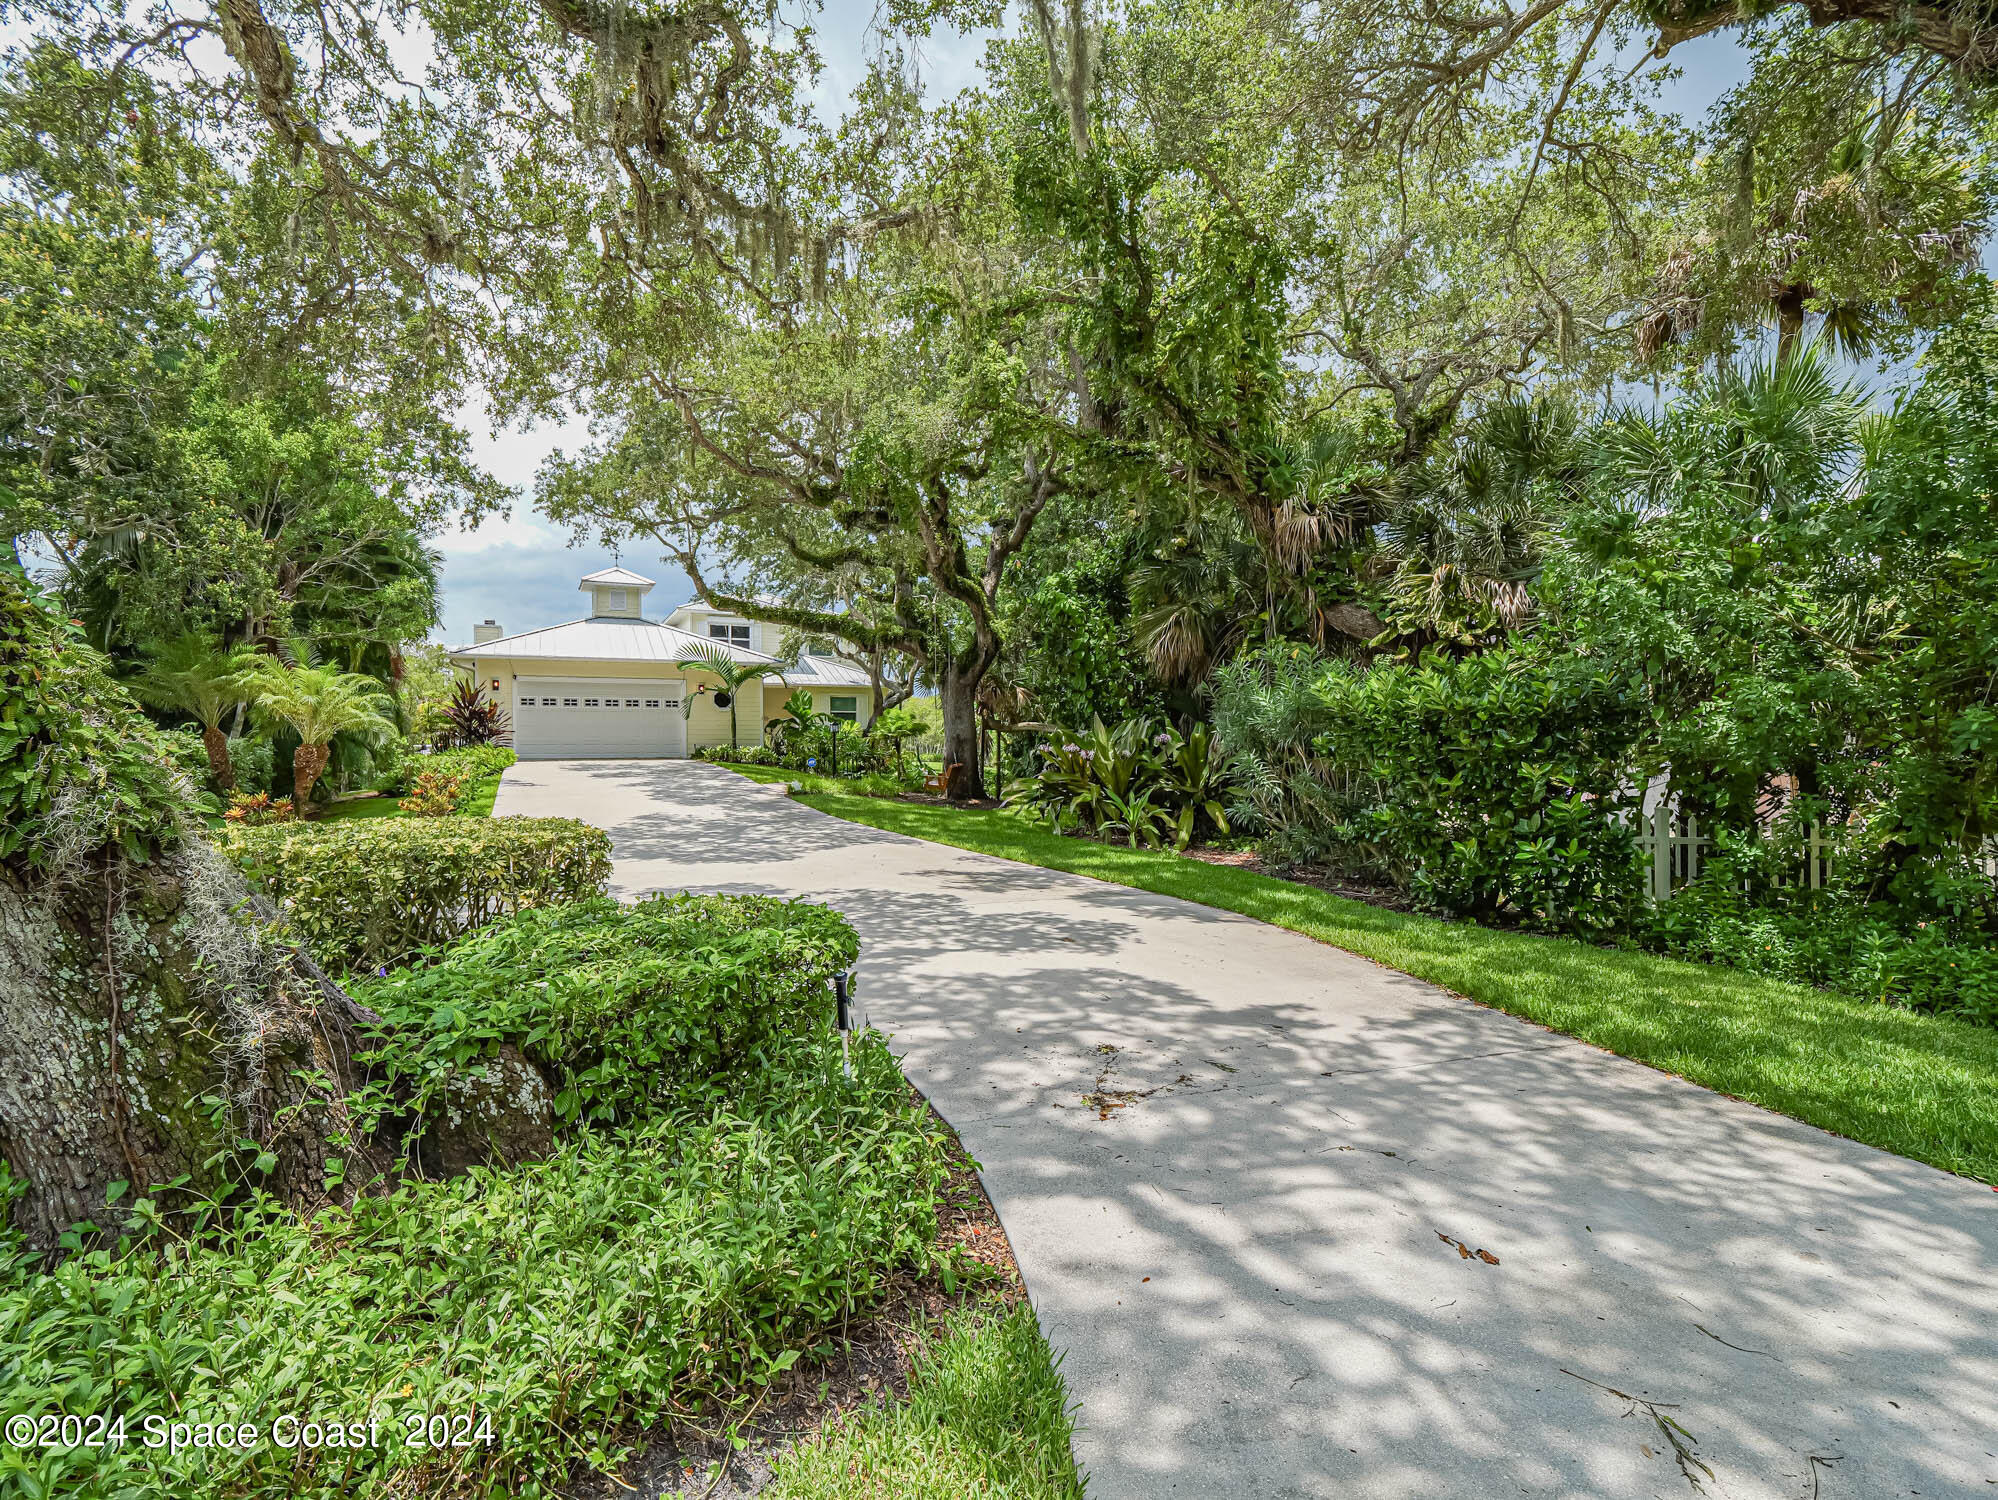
(368, 892)
(1836, 940)
(626, 1008)
(393, 770)
(570, 1304)
(737, 755)
(186, 753)
(476, 761)
(472, 763)
(253, 759)
(80, 766)
(1495, 786)
(432, 795)
(1269, 720)
(1504, 784)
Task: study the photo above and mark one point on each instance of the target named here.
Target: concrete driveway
(1251, 1263)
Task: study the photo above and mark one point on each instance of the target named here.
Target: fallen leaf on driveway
(1465, 1252)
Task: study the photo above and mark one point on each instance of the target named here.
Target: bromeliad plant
(1141, 782)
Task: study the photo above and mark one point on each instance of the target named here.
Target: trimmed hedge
(627, 1009)
(371, 892)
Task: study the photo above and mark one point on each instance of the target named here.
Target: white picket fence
(1674, 850)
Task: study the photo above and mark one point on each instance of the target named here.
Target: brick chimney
(486, 630)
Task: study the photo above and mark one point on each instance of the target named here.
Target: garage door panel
(597, 718)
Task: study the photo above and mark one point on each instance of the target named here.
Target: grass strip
(1922, 1086)
(357, 807)
(986, 1415)
(873, 784)
(478, 803)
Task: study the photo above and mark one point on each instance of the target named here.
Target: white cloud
(520, 569)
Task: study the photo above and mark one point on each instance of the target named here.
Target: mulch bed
(934, 799)
(868, 1363)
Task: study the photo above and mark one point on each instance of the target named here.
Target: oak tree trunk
(963, 770)
(148, 1027)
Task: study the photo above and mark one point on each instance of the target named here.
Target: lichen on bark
(149, 1028)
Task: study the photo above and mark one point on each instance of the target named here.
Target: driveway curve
(1303, 1226)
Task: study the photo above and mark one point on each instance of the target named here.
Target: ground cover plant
(568, 1304)
(984, 1416)
(1923, 1086)
(370, 893)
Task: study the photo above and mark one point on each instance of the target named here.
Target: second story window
(735, 635)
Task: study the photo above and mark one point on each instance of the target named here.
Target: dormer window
(735, 635)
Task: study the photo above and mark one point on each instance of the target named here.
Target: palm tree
(318, 703)
(189, 676)
(1196, 599)
(732, 674)
(1466, 530)
(1772, 436)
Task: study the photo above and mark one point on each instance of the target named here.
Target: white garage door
(605, 718)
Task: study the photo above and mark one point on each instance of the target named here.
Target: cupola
(616, 594)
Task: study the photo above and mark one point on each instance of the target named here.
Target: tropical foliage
(79, 766)
(1142, 782)
(473, 718)
(315, 703)
(187, 676)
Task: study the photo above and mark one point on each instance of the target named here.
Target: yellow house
(838, 688)
(609, 685)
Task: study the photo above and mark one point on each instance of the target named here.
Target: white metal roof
(605, 639)
(698, 606)
(823, 671)
(615, 577)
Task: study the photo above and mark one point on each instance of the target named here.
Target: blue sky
(522, 571)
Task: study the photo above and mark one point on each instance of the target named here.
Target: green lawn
(874, 784)
(986, 1414)
(358, 807)
(478, 804)
(1919, 1085)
